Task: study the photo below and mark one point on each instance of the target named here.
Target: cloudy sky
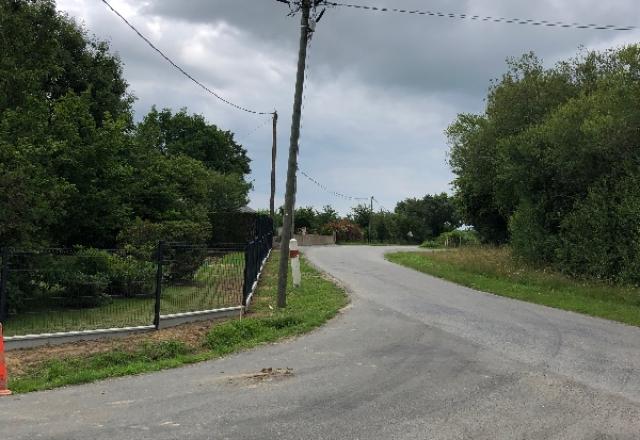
(381, 90)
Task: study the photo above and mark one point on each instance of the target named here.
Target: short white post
(294, 256)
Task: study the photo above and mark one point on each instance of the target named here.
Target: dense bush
(344, 229)
(185, 245)
(75, 169)
(552, 164)
(83, 290)
(601, 237)
(129, 276)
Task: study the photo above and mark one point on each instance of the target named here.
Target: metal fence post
(160, 262)
(246, 287)
(4, 273)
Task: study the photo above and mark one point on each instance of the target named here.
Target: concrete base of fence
(29, 341)
(167, 321)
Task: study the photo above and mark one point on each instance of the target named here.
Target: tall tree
(193, 136)
(553, 158)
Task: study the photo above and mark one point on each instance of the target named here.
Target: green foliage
(46, 56)
(453, 239)
(553, 163)
(344, 229)
(312, 219)
(601, 236)
(181, 134)
(427, 217)
(142, 238)
(129, 276)
(74, 168)
(81, 289)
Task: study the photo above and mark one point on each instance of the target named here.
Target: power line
(180, 69)
(335, 193)
(521, 21)
(246, 135)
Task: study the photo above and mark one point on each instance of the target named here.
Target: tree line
(552, 166)
(414, 220)
(75, 166)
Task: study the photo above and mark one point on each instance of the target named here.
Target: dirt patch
(264, 375)
(22, 360)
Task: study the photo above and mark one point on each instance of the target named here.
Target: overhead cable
(335, 193)
(180, 69)
(521, 21)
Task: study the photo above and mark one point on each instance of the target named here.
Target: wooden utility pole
(370, 218)
(274, 148)
(293, 155)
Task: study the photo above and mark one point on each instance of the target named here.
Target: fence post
(247, 283)
(4, 273)
(160, 262)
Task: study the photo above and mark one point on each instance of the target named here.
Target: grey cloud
(382, 87)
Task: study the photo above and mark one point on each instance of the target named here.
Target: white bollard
(294, 256)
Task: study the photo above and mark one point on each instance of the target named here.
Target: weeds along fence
(68, 290)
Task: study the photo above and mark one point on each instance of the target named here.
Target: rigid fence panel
(83, 289)
(61, 290)
(200, 278)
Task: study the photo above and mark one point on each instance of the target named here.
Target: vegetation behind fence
(60, 290)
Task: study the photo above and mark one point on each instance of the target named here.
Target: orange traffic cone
(4, 378)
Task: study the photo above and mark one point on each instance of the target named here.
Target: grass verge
(496, 271)
(309, 306)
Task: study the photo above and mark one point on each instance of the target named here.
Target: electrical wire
(180, 69)
(246, 135)
(335, 193)
(521, 21)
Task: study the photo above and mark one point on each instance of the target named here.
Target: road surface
(412, 357)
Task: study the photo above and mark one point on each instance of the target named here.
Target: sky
(381, 87)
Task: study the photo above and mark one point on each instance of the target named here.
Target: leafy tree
(191, 135)
(305, 217)
(74, 169)
(421, 219)
(555, 158)
(327, 215)
(46, 55)
(360, 215)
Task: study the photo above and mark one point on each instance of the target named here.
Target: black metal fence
(61, 290)
(255, 254)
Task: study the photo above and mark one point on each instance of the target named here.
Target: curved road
(413, 357)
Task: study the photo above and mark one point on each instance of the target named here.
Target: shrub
(601, 237)
(186, 249)
(83, 277)
(344, 229)
(84, 290)
(530, 239)
(130, 276)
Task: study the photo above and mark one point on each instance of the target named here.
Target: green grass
(496, 271)
(217, 284)
(309, 306)
(374, 243)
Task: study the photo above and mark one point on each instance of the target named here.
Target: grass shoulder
(317, 300)
(494, 270)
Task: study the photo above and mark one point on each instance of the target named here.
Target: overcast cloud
(382, 87)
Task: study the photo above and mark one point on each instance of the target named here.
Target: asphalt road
(413, 357)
